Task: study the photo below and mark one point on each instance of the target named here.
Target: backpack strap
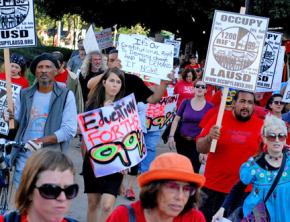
(132, 216)
(13, 216)
(68, 219)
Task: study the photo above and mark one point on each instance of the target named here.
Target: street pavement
(79, 204)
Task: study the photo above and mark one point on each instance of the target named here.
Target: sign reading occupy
(159, 115)
(113, 136)
(4, 128)
(235, 50)
(17, 27)
(140, 54)
(269, 78)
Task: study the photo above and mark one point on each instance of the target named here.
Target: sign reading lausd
(235, 50)
(17, 26)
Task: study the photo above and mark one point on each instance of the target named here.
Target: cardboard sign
(4, 128)
(159, 115)
(176, 45)
(140, 54)
(235, 50)
(90, 42)
(104, 38)
(113, 136)
(17, 27)
(268, 78)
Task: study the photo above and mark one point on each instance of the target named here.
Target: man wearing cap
(46, 113)
(237, 140)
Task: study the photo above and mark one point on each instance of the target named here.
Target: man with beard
(45, 113)
(238, 139)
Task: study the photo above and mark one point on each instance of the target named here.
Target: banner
(269, 79)
(176, 45)
(140, 54)
(159, 115)
(104, 38)
(90, 42)
(4, 128)
(113, 136)
(17, 25)
(235, 50)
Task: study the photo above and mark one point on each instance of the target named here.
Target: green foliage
(137, 29)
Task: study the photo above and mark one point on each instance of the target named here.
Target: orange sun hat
(171, 166)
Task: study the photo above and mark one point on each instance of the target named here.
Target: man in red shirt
(238, 139)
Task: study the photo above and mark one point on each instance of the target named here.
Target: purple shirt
(191, 118)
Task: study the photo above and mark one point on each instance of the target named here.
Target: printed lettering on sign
(235, 49)
(113, 136)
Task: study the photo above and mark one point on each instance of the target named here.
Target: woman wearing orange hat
(169, 193)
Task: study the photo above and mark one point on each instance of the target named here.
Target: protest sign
(104, 38)
(140, 54)
(90, 42)
(17, 25)
(113, 136)
(269, 79)
(159, 115)
(235, 50)
(4, 128)
(176, 45)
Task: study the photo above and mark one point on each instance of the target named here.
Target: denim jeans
(20, 161)
(151, 140)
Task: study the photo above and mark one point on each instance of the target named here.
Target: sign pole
(8, 85)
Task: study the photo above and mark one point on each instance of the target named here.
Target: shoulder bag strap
(132, 217)
(277, 178)
(12, 217)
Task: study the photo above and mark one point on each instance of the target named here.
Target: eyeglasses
(52, 191)
(278, 102)
(200, 86)
(272, 137)
(174, 187)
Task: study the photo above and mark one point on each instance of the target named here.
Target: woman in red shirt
(17, 71)
(184, 87)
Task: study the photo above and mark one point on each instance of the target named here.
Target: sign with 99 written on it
(235, 50)
(17, 26)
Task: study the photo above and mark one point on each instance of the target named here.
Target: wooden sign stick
(8, 85)
(223, 104)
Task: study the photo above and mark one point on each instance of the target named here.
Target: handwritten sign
(268, 78)
(113, 136)
(176, 45)
(17, 26)
(159, 115)
(140, 54)
(104, 38)
(4, 127)
(235, 50)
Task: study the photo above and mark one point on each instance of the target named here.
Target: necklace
(274, 157)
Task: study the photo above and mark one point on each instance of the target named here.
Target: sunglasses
(278, 102)
(272, 137)
(174, 187)
(200, 86)
(52, 191)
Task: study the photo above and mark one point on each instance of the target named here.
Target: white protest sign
(176, 45)
(159, 115)
(140, 54)
(268, 76)
(104, 38)
(17, 25)
(113, 136)
(235, 50)
(4, 127)
(90, 42)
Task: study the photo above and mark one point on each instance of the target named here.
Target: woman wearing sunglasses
(260, 171)
(169, 193)
(46, 189)
(188, 116)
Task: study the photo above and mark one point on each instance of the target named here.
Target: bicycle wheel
(5, 177)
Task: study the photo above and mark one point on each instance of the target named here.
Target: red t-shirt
(238, 141)
(189, 66)
(185, 91)
(62, 77)
(120, 214)
(21, 81)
